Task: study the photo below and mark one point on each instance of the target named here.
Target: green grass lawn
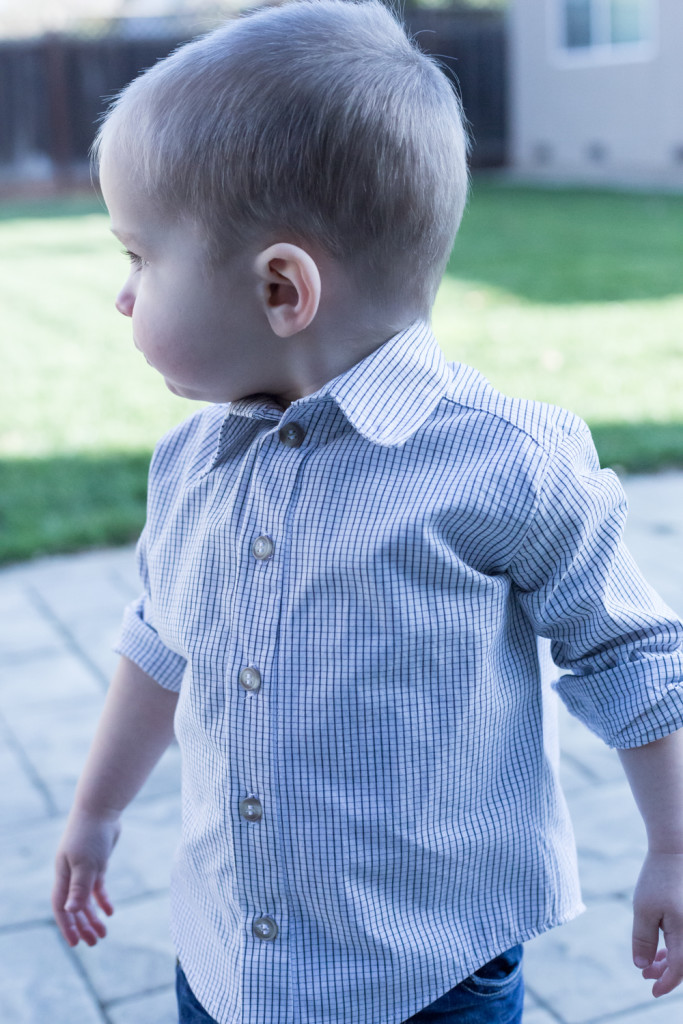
(576, 298)
(571, 297)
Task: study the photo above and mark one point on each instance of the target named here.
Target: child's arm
(135, 728)
(655, 774)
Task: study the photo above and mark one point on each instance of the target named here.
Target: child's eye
(135, 260)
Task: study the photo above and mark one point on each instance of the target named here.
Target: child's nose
(125, 300)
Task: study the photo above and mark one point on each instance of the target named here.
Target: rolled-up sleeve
(139, 640)
(621, 645)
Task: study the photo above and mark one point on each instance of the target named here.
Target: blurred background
(565, 285)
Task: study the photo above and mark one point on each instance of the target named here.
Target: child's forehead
(121, 175)
(133, 212)
(120, 188)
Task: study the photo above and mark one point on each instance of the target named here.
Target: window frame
(598, 54)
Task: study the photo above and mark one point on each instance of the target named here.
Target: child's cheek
(146, 335)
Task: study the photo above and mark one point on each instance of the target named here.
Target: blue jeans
(492, 995)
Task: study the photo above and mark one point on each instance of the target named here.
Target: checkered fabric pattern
(348, 596)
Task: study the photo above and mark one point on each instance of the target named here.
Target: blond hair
(318, 120)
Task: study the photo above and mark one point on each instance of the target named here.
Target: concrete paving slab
(56, 738)
(25, 631)
(47, 676)
(22, 800)
(95, 636)
(158, 1008)
(27, 856)
(654, 530)
(140, 864)
(40, 982)
(665, 1010)
(573, 778)
(137, 956)
(610, 838)
(537, 1015)
(59, 617)
(87, 588)
(584, 970)
(587, 751)
(95, 565)
(533, 1012)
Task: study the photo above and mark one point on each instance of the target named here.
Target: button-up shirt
(348, 596)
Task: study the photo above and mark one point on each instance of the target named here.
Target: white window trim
(603, 54)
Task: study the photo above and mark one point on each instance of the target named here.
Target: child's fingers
(645, 937)
(67, 926)
(60, 891)
(60, 888)
(81, 886)
(665, 971)
(75, 927)
(83, 925)
(72, 903)
(102, 897)
(667, 983)
(673, 958)
(89, 929)
(657, 967)
(92, 925)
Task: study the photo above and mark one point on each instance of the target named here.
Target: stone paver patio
(59, 619)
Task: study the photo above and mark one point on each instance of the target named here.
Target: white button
(264, 928)
(262, 548)
(251, 809)
(250, 678)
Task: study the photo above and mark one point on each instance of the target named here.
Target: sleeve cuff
(629, 705)
(140, 642)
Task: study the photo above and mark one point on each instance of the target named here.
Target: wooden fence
(473, 50)
(53, 89)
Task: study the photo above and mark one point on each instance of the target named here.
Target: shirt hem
(524, 936)
(405, 1013)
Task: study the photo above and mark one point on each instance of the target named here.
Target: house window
(604, 25)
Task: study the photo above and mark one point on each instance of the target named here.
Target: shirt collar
(393, 391)
(386, 397)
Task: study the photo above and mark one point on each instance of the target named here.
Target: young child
(349, 557)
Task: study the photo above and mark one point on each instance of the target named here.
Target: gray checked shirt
(348, 596)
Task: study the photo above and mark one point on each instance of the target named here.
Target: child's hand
(79, 876)
(658, 903)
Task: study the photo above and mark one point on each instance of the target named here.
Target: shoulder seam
(560, 432)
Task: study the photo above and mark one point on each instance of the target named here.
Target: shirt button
(250, 678)
(264, 928)
(292, 434)
(262, 548)
(250, 808)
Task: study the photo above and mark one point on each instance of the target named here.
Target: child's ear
(289, 287)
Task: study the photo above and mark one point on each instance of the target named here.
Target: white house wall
(620, 118)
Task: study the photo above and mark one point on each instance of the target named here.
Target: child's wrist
(664, 835)
(92, 810)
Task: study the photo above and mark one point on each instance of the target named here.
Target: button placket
(266, 574)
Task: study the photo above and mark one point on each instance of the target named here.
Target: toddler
(349, 558)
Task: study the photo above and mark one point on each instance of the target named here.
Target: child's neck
(318, 356)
